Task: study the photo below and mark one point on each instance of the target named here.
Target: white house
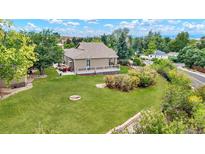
(158, 54)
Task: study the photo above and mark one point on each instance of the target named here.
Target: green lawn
(46, 109)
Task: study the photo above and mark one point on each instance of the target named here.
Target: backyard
(46, 108)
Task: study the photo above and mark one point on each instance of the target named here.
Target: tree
(47, 49)
(16, 54)
(182, 53)
(180, 42)
(201, 43)
(104, 39)
(122, 47)
(138, 45)
(76, 40)
(152, 47)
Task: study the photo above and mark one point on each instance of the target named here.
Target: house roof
(90, 50)
(159, 53)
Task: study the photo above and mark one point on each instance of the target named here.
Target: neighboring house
(158, 54)
(172, 54)
(89, 58)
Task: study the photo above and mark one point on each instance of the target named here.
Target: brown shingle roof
(90, 50)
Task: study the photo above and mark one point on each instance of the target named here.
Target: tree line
(126, 46)
(23, 50)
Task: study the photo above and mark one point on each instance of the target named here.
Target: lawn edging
(126, 124)
(27, 87)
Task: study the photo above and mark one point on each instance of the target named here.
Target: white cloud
(31, 27)
(109, 25)
(71, 23)
(55, 21)
(149, 22)
(91, 21)
(125, 24)
(172, 21)
(189, 25)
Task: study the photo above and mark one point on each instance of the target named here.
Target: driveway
(198, 79)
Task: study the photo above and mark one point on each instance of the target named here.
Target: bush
(110, 81)
(151, 122)
(124, 62)
(169, 72)
(154, 122)
(138, 62)
(163, 66)
(179, 79)
(122, 82)
(146, 75)
(176, 104)
(197, 123)
(201, 92)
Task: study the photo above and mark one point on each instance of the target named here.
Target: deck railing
(96, 69)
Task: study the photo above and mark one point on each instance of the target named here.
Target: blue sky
(96, 27)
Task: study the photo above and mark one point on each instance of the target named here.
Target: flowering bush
(146, 75)
(179, 79)
(122, 82)
(201, 92)
(155, 122)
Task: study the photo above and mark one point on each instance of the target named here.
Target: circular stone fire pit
(74, 97)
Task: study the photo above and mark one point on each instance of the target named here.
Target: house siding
(99, 62)
(81, 63)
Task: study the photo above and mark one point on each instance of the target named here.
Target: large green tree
(192, 56)
(47, 49)
(16, 54)
(179, 42)
(119, 41)
(123, 50)
(152, 47)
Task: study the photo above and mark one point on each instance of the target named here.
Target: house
(172, 54)
(91, 58)
(158, 54)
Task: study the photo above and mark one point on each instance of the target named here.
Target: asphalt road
(198, 79)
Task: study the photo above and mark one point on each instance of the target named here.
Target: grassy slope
(46, 106)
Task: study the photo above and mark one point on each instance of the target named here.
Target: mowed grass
(46, 108)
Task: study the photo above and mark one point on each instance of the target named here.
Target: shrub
(175, 102)
(197, 123)
(135, 81)
(124, 62)
(122, 82)
(163, 66)
(151, 122)
(178, 78)
(125, 83)
(154, 122)
(138, 62)
(110, 81)
(146, 75)
(201, 92)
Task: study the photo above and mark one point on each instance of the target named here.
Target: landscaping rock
(102, 85)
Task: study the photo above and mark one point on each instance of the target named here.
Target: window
(88, 63)
(110, 62)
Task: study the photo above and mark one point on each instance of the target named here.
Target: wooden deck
(99, 71)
